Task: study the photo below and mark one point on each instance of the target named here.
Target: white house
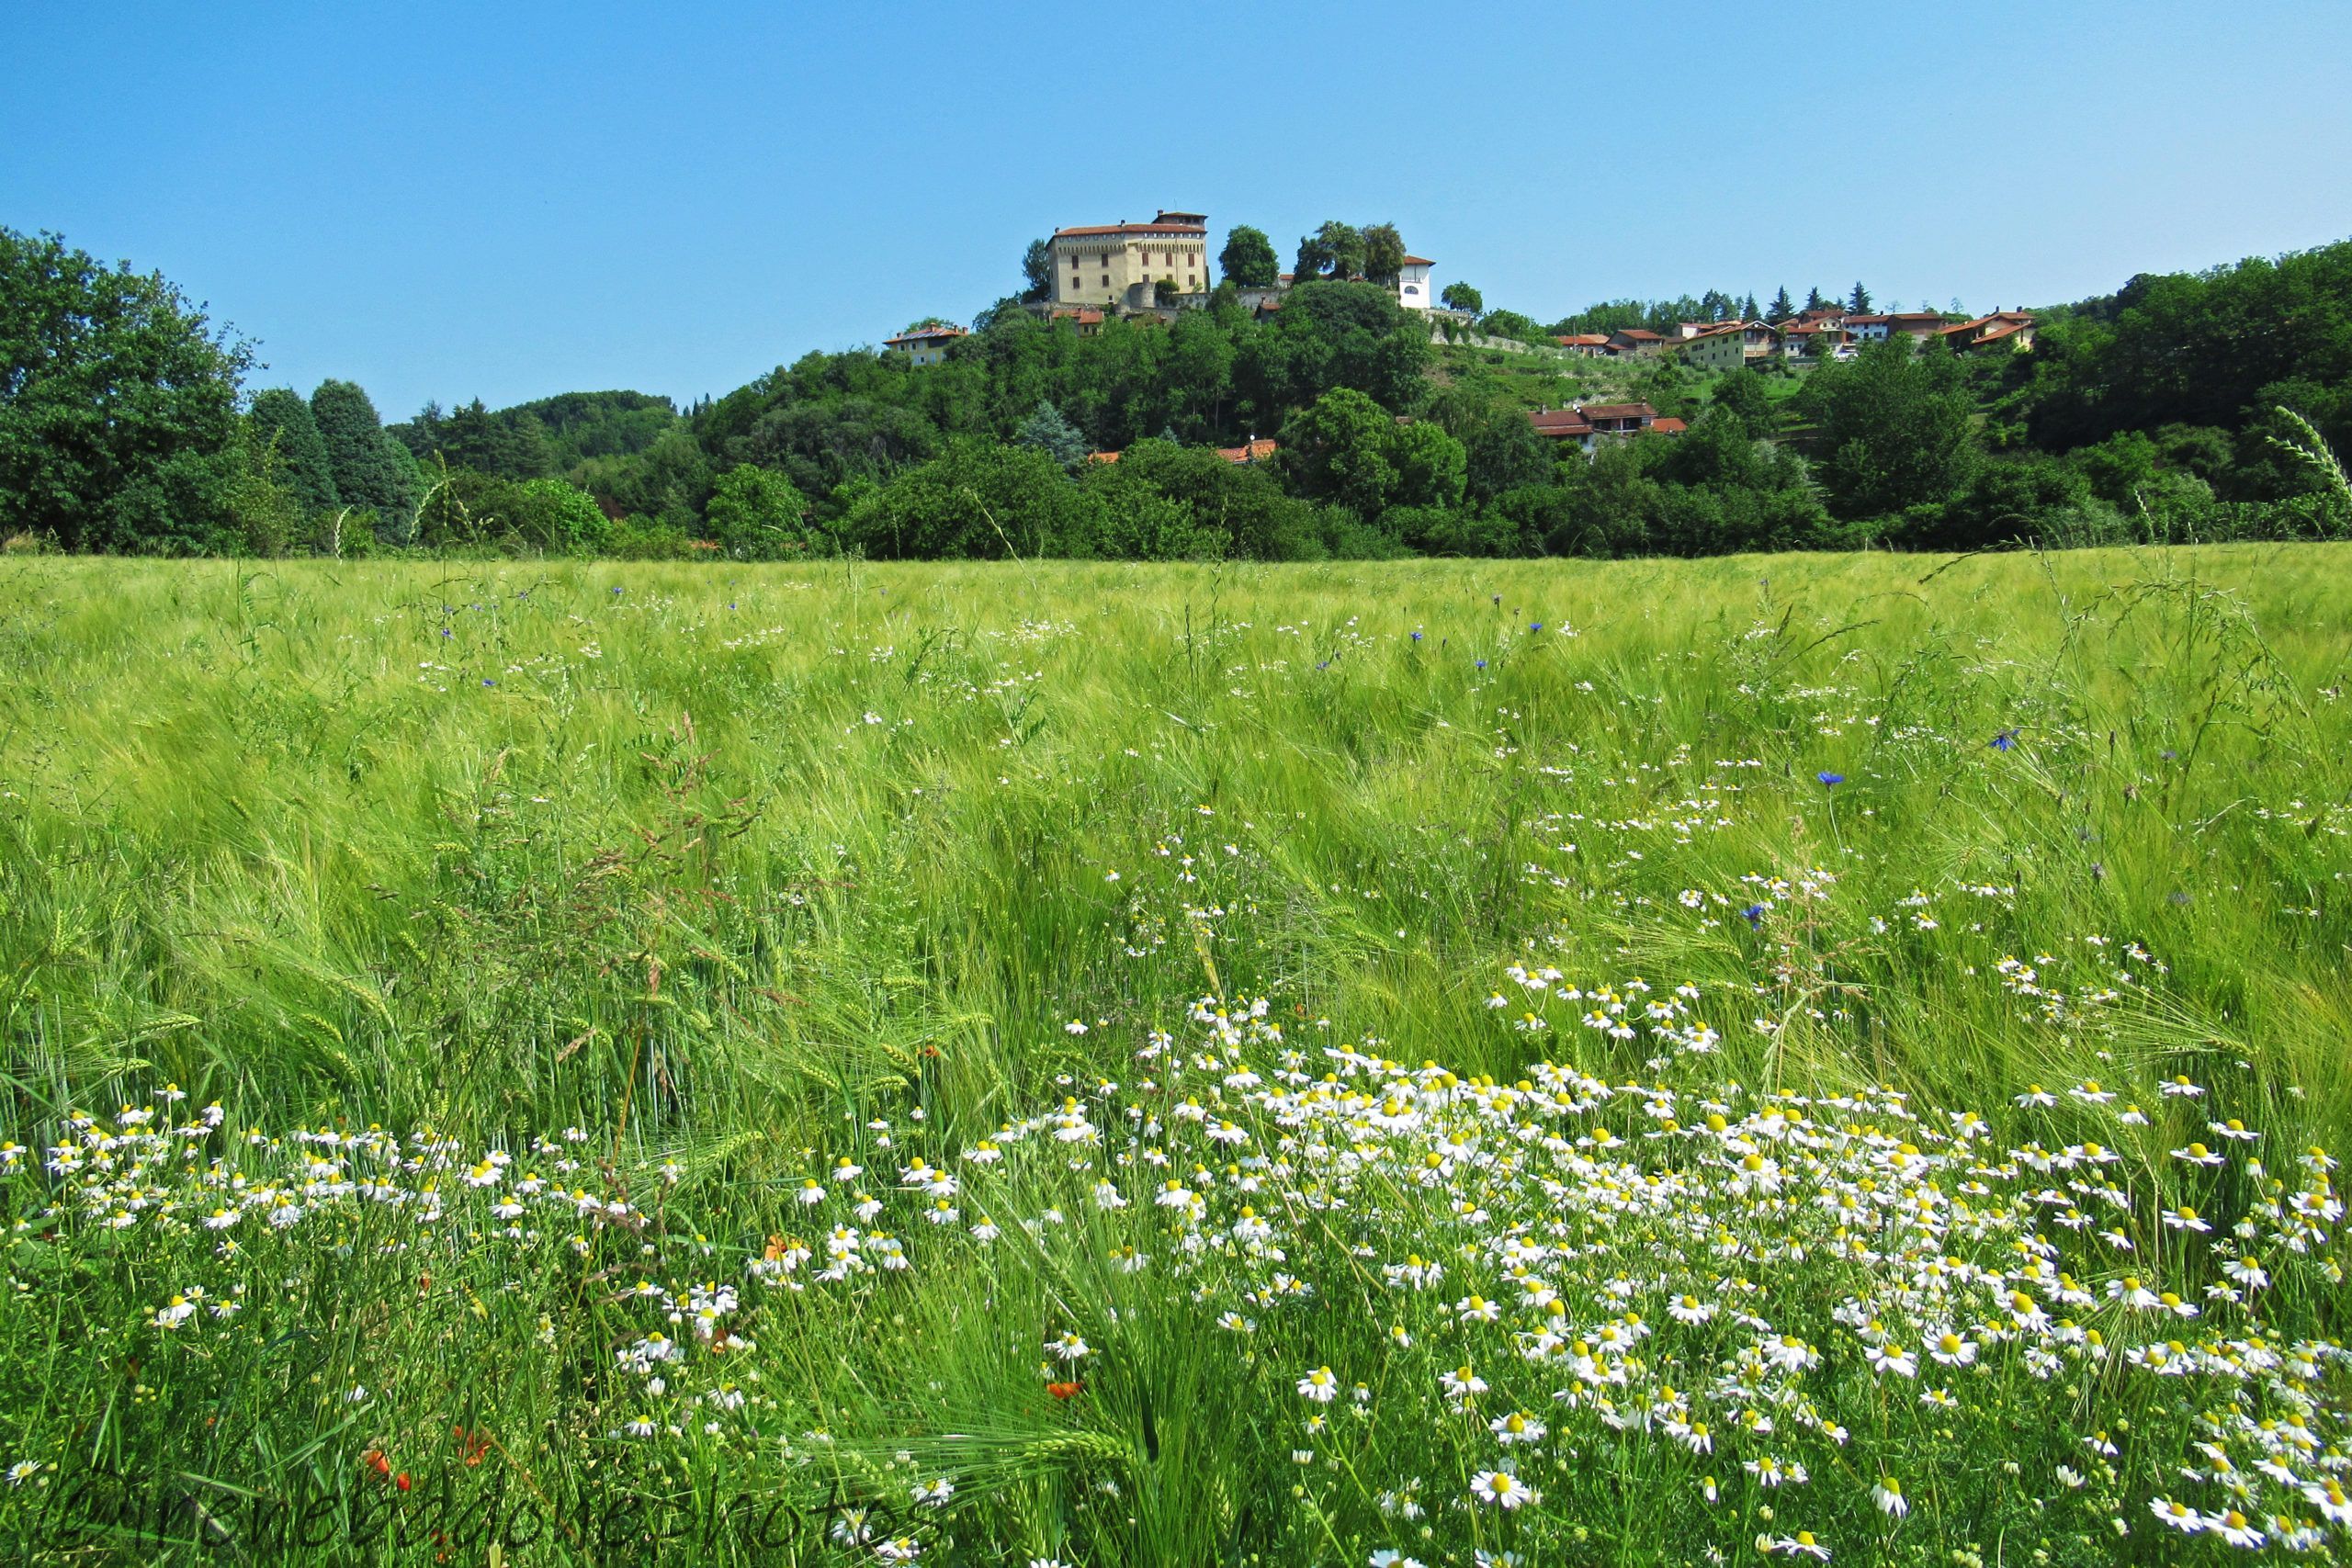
(1413, 289)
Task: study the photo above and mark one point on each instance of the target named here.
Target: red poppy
(476, 1444)
(1061, 1390)
(400, 1481)
(374, 1459)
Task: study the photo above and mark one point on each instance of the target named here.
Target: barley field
(1767, 1059)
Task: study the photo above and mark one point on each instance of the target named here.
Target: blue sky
(510, 200)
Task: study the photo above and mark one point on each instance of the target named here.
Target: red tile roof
(1617, 410)
(1084, 315)
(1669, 426)
(925, 334)
(1558, 423)
(1101, 457)
(1255, 451)
(1639, 334)
(1583, 340)
(1419, 261)
(1092, 231)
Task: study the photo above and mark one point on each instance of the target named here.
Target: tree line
(2155, 412)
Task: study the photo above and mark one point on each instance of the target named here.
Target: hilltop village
(1159, 269)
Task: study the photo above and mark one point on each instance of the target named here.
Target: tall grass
(719, 869)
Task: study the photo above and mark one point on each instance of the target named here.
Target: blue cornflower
(1325, 664)
(1416, 636)
(447, 632)
(487, 681)
(1536, 626)
(1754, 916)
(2004, 739)
(1482, 664)
(1832, 780)
(616, 588)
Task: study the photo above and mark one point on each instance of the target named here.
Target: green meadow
(567, 1062)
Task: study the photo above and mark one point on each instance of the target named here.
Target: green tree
(1346, 448)
(977, 499)
(1814, 301)
(1462, 297)
(282, 425)
(1741, 394)
(370, 469)
(1337, 450)
(1431, 466)
(1248, 258)
(1336, 334)
(1037, 271)
(1859, 302)
(1894, 429)
(118, 405)
(1048, 431)
(756, 514)
(1334, 251)
(557, 517)
(1511, 324)
(1384, 254)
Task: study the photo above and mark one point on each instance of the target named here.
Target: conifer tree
(368, 467)
(1048, 431)
(282, 422)
(1781, 309)
(1859, 302)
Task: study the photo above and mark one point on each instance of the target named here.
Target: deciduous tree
(1248, 258)
(117, 404)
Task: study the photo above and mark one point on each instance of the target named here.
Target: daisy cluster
(1809, 1314)
(1814, 1303)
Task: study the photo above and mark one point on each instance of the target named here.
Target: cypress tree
(367, 470)
(282, 422)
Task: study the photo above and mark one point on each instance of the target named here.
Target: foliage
(1892, 429)
(756, 514)
(1046, 431)
(371, 469)
(1459, 295)
(1037, 271)
(1247, 258)
(1384, 254)
(118, 405)
(279, 419)
(1334, 251)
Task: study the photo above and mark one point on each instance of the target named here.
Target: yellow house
(926, 345)
(1119, 265)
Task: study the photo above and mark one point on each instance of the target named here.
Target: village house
(1728, 345)
(1589, 424)
(1591, 346)
(2002, 328)
(1637, 342)
(926, 345)
(1917, 325)
(1816, 340)
(1121, 265)
(1413, 284)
